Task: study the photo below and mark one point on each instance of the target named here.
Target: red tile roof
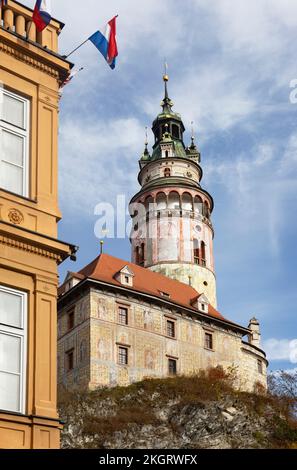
(105, 267)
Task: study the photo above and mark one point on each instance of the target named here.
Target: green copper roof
(168, 128)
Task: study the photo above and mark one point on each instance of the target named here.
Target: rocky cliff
(197, 412)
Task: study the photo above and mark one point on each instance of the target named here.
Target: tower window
(166, 154)
(139, 254)
(196, 252)
(260, 366)
(167, 172)
(175, 131)
(203, 254)
(172, 366)
(14, 130)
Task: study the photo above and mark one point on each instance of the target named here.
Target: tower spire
(166, 103)
(166, 79)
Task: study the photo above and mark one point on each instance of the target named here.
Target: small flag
(69, 78)
(3, 3)
(106, 42)
(42, 14)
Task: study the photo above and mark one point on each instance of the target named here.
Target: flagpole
(78, 47)
(84, 42)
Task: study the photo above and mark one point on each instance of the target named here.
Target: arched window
(139, 254)
(198, 204)
(175, 131)
(196, 251)
(203, 254)
(206, 211)
(167, 172)
(149, 204)
(166, 154)
(173, 200)
(161, 201)
(187, 202)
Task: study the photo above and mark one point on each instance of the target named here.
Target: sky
(231, 63)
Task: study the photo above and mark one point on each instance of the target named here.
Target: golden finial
(192, 129)
(165, 76)
(146, 136)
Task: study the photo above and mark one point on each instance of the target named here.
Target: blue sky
(230, 65)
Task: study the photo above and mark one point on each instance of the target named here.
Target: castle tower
(172, 231)
(31, 71)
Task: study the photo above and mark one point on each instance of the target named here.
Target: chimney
(255, 336)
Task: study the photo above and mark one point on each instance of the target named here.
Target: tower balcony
(157, 214)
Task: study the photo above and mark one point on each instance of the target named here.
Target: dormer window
(201, 303)
(165, 294)
(125, 277)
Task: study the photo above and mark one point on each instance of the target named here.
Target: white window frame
(21, 333)
(23, 133)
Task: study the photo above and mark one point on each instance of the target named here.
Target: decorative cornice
(30, 248)
(29, 60)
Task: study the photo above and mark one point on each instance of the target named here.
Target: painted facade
(30, 74)
(95, 336)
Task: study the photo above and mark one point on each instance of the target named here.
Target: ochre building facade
(31, 72)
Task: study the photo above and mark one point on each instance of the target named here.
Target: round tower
(172, 231)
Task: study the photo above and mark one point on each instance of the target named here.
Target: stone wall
(149, 347)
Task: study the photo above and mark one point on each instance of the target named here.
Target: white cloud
(98, 161)
(281, 349)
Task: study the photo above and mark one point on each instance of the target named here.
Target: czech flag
(106, 42)
(3, 3)
(42, 15)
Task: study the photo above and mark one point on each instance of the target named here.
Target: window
(167, 172)
(175, 131)
(13, 337)
(203, 254)
(127, 280)
(70, 360)
(141, 254)
(260, 366)
(71, 320)
(172, 366)
(123, 315)
(171, 329)
(203, 307)
(196, 252)
(208, 341)
(14, 138)
(123, 356)
(165, 294)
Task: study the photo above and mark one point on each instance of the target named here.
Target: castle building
(31, 71)
(120, 322)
